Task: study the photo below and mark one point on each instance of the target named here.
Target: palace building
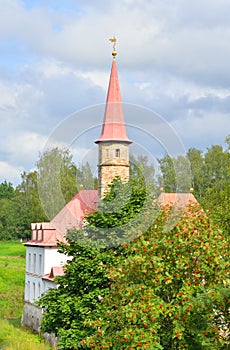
(43, 261)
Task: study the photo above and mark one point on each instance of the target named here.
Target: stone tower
(113, 143)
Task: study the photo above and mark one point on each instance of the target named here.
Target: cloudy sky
(173, 59)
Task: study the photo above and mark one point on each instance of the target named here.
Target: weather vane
(114, 41)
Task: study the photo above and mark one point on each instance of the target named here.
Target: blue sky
(55, 58)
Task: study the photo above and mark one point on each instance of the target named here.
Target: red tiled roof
(113, 128)
(56, 271)
(179, 200)
(73, 213)
(71, 216)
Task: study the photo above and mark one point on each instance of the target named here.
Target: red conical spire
(113, 128)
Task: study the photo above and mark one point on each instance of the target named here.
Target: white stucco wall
(53, 258)
(35, 260)
(39, 261)
(34, 287)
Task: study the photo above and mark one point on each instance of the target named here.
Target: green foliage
(168, 178)
(158, 290)
(112, 223)
(29, 208)
(196, 160)
(87, 276)
(56, 180)
(59, 179)
(170, 292)
(85, 177)
(227, 140)
(20, 207)
(73, 306)
(141, 167)
(209, 175)
(175, 174)
(216, 197)
(6, 190)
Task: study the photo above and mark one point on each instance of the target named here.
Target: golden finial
(114, 41)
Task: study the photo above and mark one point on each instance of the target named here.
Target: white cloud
(10, 173)
(179, 38)
(210, 129)
(173, 57)
(7, 100)
(24, 147)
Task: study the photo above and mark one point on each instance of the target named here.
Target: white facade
(39, 261)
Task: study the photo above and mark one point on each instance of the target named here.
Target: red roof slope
(73, 213)
(113, 128)
(179, 200)
(56, 271)
(71, 216)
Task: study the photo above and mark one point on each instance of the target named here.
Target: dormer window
(117, 153)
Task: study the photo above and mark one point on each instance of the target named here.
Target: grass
(18, 338)
(12, 272)
(12, 277)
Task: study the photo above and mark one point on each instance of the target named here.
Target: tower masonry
(113, 143)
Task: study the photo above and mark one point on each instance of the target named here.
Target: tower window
(117, 153)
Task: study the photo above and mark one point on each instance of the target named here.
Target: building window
(117, 153)
(28, 290)
(39, 290)
(40, 264)
(34, 263)
(34, 291)
(29, 263)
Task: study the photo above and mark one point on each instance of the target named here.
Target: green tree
(71, 308)
(85, 177)
(157, 290)
(196, 160)
(7, 211)
(56, 180)
(6, 190)
(170, 292)
(227, 140)
(87, 278)
(209, 175)
(216, 162)
(140, 166)
(27, 194)
(175, 174)
(27, 204)
(167, 180)
(216, 196)
(7, 220)
(41, 193)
